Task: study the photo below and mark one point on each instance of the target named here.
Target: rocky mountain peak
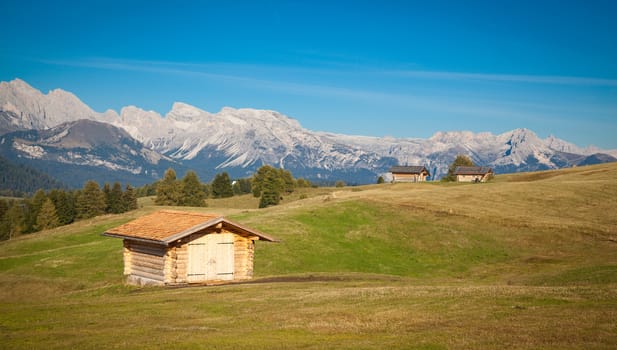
(184, 111)
(242, 139)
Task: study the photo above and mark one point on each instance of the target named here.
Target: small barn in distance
(473, 173)
(409, 173)
(173, 247)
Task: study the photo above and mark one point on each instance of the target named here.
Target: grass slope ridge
(525, 262)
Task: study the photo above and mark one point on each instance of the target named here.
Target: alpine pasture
(527, 261)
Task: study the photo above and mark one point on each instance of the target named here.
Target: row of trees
(58, 207)
(268, 184)
(187, 192)
(46, 210)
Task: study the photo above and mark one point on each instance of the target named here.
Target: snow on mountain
(244, 139)
(35, 110)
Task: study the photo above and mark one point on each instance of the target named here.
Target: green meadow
(528, 261)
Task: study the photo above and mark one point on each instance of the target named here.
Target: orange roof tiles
(161, 224)
(165, 226)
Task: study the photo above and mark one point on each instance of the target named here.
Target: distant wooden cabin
(173, 247)
(409, 173)
(473, 173)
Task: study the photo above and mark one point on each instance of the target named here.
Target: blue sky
(379, 68)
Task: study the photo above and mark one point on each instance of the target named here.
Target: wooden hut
(409, 173)
(173, 247)
(473, 173)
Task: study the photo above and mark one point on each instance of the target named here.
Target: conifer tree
(107, 194)
(90, 201)
(287, 181)
(16, 218)
(47, 217)
(115, 203)
(259, 179)
(271, 186)
(64, 202)
(5, 225)
(129, 198)
(236, 187)
(301, 182)
(192, 193)
(33, 206)
(221, 186)
(167, 191)
(147, 190)
(242, 186)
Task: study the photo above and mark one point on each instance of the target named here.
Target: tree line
(17, 180)
(45, 210)
(268, 183)
(57, 207)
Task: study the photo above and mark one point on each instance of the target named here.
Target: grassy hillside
(528, 261)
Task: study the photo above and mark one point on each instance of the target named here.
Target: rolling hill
(527, 261)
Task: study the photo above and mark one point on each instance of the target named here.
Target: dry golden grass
(526, 262)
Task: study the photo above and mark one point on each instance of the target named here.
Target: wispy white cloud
(269, 77)
(213, 70)
(217, 71)
(534, 79)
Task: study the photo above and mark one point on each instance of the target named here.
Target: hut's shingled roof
(472, 170)
(165, 226)
(408, 169)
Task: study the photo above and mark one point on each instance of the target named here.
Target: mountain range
(59, 134)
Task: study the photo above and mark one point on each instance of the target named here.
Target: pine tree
(287, 181)
(115, 203)
(242, 186)
(271, 186)
(65, 205)
(47, 217)
(147, 190)
(107, 194)
(15, 217)
(90, 201)
(221, 186)
(259, 179)
(269, 183)
(129, 198)
(192, 191)
(5, 225)
(380, 180)
(167, 191)
(461, 160)
(31, 208)
(303, 183)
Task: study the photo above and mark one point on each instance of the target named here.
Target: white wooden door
(221, 262)
(211, 257)
(196, 271)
